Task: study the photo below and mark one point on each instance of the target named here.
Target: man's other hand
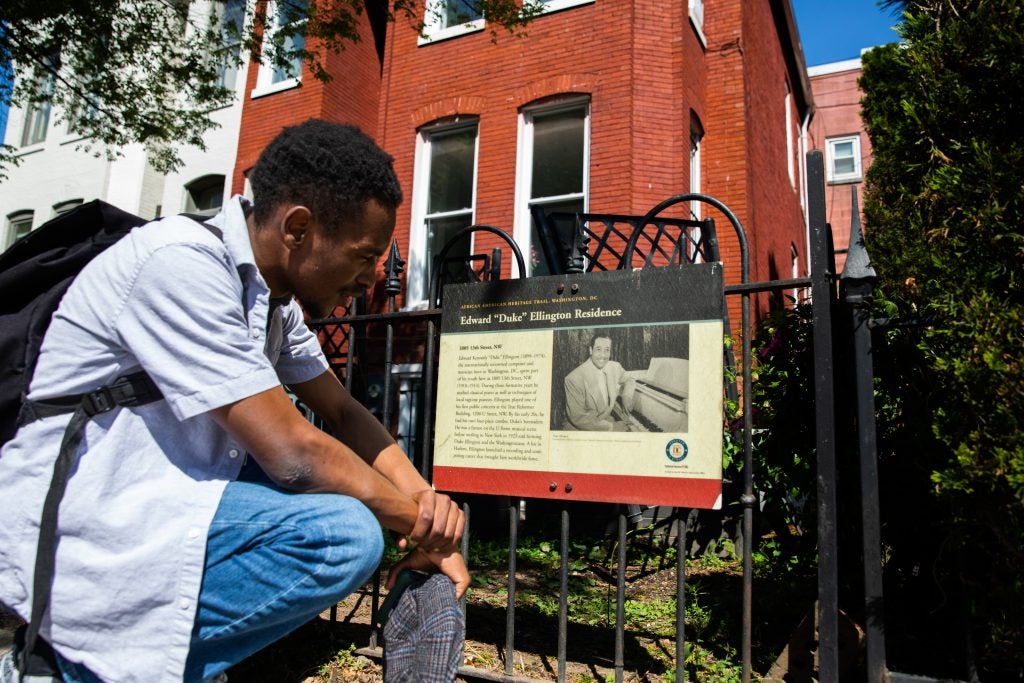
(451, 564)
(439, 522)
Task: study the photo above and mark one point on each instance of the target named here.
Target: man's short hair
(330, 168)
(599, 335)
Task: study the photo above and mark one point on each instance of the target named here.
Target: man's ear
(295, 225)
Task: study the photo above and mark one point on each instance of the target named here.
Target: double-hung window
(444, 194)
(844, 159)
(229, 20)
(283, 37)
(37, 111)
(449, 18)
(554, 157)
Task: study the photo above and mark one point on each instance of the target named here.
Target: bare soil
(327, 650)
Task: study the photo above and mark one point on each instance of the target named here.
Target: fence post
(858, 282)
(823, 293)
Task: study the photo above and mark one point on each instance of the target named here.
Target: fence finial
(858, 269)
(393, 267)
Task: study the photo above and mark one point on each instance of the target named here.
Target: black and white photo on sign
(633, 378)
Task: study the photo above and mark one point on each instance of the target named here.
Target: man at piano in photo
(596, 389)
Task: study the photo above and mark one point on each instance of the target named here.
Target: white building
(56, 173)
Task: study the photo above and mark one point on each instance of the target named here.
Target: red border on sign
(608, 488)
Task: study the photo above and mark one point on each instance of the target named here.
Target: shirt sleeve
(301, 357)
(184, 322)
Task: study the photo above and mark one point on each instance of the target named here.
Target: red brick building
(838, 130)
(607, 106)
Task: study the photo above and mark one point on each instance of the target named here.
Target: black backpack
(35, 273)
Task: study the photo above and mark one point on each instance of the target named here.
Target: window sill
(264, 90)
(31, 149)
(439, 35)
(846, 181)
(558, 5)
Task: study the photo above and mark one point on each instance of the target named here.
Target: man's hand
(451, 564)
(439, 522)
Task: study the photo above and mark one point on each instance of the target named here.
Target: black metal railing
(410, 340)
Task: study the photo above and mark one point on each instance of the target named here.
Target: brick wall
(745, 146)
(352, 96)
(635, 60)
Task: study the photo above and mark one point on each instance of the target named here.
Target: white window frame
(523, 220)
(433, 31)
(416, 296)
(790, 156)
(13, 219)
(696, 136)
(696, 207)
(695, 9)
(548, 6)
(265, 75)
(858, 173)
(794, 272)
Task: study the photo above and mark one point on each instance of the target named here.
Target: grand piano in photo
(659, 397)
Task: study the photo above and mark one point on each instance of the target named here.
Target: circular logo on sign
(676, 450)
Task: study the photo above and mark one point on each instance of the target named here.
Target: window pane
(558, 153)
(564, 229)
(458, 12)
(439, 231)
(21, 229)
(843, 149)
(843, 166)
(18, 226)
(37, 118)
(205, 195)
(289, 12)
(37, 114)
(451, 171)
(231, 23)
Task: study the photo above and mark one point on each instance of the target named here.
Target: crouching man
(171, 566)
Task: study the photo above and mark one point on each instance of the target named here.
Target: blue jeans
(274, 560)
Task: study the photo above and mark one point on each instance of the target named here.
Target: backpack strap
(128, 390)
(134, 389)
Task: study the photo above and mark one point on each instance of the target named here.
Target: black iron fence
(388, 359)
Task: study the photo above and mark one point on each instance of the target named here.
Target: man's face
(600, 352)
(333, 268)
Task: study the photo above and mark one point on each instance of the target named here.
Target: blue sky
(834, 30)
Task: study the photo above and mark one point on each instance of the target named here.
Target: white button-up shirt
(191, 310)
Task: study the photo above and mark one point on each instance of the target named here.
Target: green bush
(944, 207)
